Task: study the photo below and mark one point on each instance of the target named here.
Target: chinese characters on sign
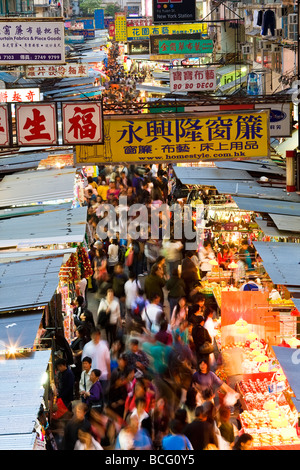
(188, 138)
(36, 124)
(82, 123)
(31, 42)
(120, 27)
(193, 79)
(50, 71)
(19, 95)
(144, 32)
(193, 46)
(4, 127)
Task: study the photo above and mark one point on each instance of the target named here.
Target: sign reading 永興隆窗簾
(186, 138)
(30, 41)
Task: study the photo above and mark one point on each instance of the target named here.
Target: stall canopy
(21, 395)
(281, 261)
(268, 206)
(286, 222)
(272, 231)
(37, 187)
(253, 189)
(62, 226)
(289, 360)
(19, 330)
(28, 283)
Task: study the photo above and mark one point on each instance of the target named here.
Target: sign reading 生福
(30, 41)
(186, 138)
(193, 79)
(82, 123)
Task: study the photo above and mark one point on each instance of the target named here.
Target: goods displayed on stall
(77, 267)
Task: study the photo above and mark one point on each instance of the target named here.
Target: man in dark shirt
(65, 385)
(200, 432)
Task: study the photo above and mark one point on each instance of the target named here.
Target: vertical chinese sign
(4, 127)
(31, 41)
(36, 124)
(120, 27)
(82, 123)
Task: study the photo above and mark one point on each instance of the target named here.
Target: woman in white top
(111, 305)
(113, 254)
(210, 327)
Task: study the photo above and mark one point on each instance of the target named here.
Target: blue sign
(99, 18)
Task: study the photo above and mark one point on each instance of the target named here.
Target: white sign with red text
(36, 124)
(82, 123)
(4, 127)
(193, 79)
(19, 95)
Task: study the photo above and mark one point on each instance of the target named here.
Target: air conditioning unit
(276, 48)
(267, 46)
(246, 48)
(293, 18)
(278, 33)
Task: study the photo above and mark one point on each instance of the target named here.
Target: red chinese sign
(82, 123)
(36, 124)
(4, 127)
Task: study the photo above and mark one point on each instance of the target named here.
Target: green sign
(168, 109)
(192, 46)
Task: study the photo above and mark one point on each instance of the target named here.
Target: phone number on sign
(30, 57)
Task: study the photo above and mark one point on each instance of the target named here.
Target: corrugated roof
(254, 189)
(28, 283)
(62, 226)
(204, 173)
(281, 261)
(36, 187)
(267, 206)
(288, 358)
(261, 166)
(19, 329)
(273, 231)
(21, 395)
(286, 222)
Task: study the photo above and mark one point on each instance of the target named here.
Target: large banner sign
(29, 41)
(174, 11)
(186, 138)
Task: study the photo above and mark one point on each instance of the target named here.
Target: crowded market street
(150, 277)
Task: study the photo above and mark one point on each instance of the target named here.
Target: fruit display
(257, 394)
(282, 303)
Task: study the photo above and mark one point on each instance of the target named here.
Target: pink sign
(193, 79)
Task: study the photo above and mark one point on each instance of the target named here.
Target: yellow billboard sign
(183, 138)
(139, 33)
(120, 27)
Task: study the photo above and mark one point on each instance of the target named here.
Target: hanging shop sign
(5, 140)
(192, 46)
(193, 79)
(61, 71)
(280, 123)
(174, 11)
(184, 138)
(144, 32)
(19, 95)
(82, 123)
(111, 30)
(36, 124)
(30, 41)
(156, 39)
(99, 18)
(138, 47)
(120, 27)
